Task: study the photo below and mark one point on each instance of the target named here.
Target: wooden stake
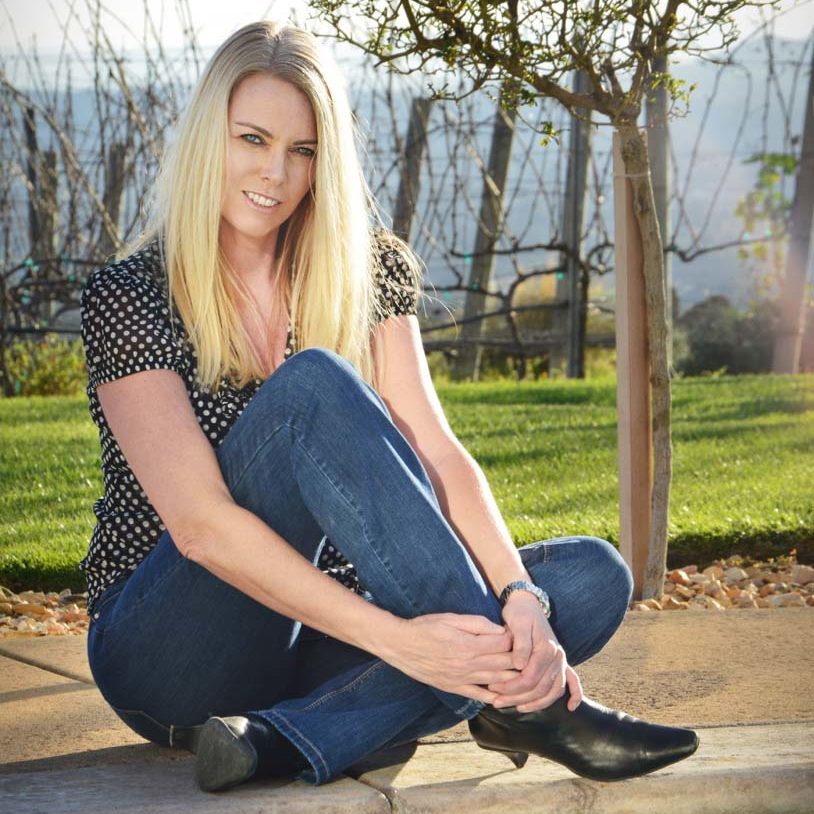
(632, 380)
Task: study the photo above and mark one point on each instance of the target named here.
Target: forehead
(266, 100)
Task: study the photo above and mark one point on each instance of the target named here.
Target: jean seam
(136, 605)
(346, 687)
(166, 728)
(359, 516)
(258, 451)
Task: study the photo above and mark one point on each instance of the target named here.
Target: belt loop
(172, 727)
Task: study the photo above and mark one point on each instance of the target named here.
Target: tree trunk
(658, 103)
(637, 168)
(410, 181)
(109, 241)
(571, 323)
(490, 223)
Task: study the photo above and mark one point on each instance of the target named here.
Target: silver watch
(522, 585)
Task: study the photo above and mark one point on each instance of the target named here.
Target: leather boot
(235, 749)
(593, 741)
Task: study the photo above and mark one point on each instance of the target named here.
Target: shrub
(49, 366)
(718, 337)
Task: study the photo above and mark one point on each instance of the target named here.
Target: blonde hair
(329, 249)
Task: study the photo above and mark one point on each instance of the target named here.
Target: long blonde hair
(328, 249)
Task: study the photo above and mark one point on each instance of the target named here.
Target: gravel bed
(736, 583)
(729, 584)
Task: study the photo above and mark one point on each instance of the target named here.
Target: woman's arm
(466, 500)
(470, 508)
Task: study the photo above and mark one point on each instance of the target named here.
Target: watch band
(523, 585)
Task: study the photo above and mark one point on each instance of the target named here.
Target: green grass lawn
(742, 471)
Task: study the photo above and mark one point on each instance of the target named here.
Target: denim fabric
(316, 455)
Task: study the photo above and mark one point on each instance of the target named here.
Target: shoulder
(398, 275)
(138, 275)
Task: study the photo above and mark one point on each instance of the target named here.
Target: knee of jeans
(332, 373)
(616, 576)
(314, 360)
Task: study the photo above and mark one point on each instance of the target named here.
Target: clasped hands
(519, 663)
(539, 658)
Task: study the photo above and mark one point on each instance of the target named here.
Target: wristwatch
(522, 585)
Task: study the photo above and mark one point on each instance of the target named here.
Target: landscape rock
(714, 571)
(734, 575)
(679, 577)
(802, 574)
(683, 592)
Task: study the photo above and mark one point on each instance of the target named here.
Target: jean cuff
(320, 771)
(470, 709)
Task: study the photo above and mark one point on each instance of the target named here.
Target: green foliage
(720, 338)
(49, 366)
(742, 468)
(535, 44)
(765, 213)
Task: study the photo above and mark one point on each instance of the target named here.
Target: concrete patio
(742, 678)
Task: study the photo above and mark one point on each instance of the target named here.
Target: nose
(273, 167)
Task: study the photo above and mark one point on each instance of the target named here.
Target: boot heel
(518, 758)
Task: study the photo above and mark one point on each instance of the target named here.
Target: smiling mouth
(262, 200)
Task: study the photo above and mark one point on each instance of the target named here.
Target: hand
(539, 658)
(454, 652)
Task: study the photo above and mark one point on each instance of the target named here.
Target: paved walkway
(742, 678)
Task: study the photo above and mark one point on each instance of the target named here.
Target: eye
(305, 151)
(249, 136)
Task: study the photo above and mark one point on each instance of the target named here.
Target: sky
(41, 21)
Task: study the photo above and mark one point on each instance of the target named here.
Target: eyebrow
(269, 135)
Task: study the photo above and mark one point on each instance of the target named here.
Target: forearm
(470, 508)
(241, 549)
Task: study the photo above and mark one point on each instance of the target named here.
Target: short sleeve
(398, 289)
(125, 326)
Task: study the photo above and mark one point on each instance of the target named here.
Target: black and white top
(126, 329)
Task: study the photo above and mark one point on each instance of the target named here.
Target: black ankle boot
(235, 749)
(592, 741)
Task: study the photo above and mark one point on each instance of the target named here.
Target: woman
(233, 466)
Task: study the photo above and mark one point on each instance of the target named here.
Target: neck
(250, 259)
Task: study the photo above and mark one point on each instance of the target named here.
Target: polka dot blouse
(126, 329)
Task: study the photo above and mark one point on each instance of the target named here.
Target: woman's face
(270, 160)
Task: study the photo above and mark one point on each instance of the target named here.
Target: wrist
(526, 587)
(385, 636)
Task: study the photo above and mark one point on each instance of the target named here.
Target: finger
(574, 689)
(547, 690)
(492, 677)
(496, 662)
(525, 681)
(522, 648)
(489, 643)
(476, 692)
(556, 691)
(472, 623)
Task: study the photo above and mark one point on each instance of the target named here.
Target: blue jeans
(316, 456)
